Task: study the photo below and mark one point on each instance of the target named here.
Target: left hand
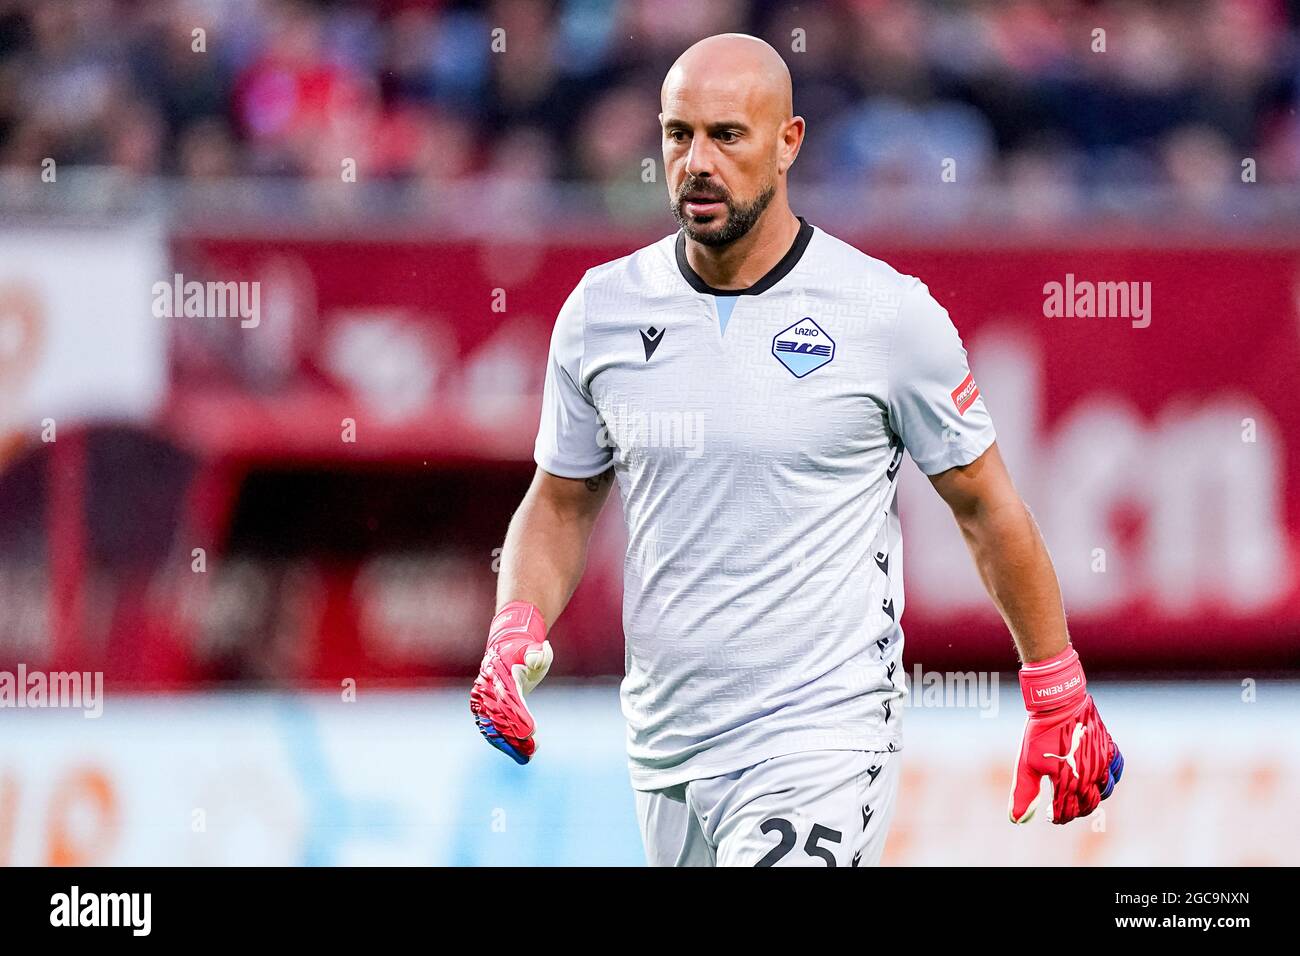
(1064, 741)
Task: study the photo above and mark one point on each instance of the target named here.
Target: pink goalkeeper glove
(1064, 741)
(517, 658)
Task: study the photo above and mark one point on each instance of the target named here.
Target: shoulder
(641, 272)
(834, 256)
(611, 289)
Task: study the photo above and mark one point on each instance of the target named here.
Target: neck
(740, 264)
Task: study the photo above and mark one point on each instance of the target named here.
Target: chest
(786, 380)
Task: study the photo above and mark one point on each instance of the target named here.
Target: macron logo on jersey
(964, 395)
(651, 338)
(804, 347)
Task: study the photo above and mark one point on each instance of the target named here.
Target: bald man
(753, 383)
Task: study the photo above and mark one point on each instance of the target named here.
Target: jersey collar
(773, 276)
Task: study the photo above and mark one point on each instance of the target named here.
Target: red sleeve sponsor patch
(965, 393)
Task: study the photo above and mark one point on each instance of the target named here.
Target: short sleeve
(569, 436)
(934, 404)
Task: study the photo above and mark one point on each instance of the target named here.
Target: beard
(741, 217)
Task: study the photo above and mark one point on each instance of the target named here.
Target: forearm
(545, 550)
(1017, 571)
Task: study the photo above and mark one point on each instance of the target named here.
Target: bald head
(733, 65)
(729, 136)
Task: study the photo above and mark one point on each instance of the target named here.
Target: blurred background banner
(277, 281)
(1158, 457)
(256, 779)
(80, 344)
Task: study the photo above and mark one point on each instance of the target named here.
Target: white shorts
(817, 808)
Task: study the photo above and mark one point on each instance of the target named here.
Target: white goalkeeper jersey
(757, 437)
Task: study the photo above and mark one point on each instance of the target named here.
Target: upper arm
(976, 488)
(934, 405)
(571, 440)
(577, 500)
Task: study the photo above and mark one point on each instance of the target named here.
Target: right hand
(517, 658)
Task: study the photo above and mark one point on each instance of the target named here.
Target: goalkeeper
(763, 585)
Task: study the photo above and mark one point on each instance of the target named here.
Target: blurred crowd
(1017, 92)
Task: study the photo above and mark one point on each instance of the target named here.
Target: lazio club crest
(804, 347)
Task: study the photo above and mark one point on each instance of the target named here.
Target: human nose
(700, 157)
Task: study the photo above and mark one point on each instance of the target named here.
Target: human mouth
(702, 204)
